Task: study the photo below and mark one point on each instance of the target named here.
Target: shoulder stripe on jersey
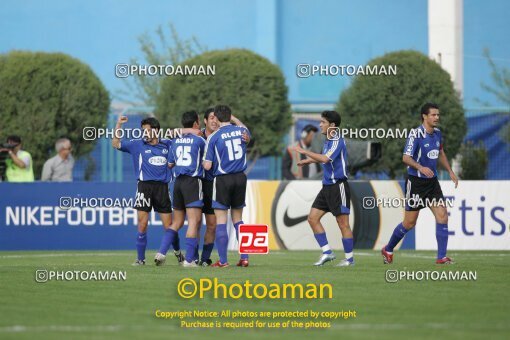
(333, 147)
(207, 142)
(198, 164)
(212, 134)
(219, 161)
(140, 160)
(343, 164)
(332, 172)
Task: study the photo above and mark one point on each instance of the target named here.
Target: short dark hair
(425, 109)
(188, 118)
(223, 113)
(14, 138)
(309, 128)
(332, 117)
(153, 122)
(208, 112)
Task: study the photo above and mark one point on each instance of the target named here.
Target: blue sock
(191, 244)
(176, 243)
(196, 256)
(236, 226)
(323, 243)
(348, 247)
(222, 241)
(398, 234)
(206, 251)
(169, 237)
(141, 244)
(442, 239)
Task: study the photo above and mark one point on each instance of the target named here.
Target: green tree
(474, 161)
(44, 96)
(162, 51)
(252, 86)
(394, 101)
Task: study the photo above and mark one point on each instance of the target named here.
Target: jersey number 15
(235, 151)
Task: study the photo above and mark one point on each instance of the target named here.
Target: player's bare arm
(15, 158)
(317, 157)
(408, 160)
(207, 165)
(443, 160)
(116, 140)
(306, 161)
(237, 122)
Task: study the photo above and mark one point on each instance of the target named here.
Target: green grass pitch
(125, 309)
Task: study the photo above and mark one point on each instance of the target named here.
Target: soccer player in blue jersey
(423, 149)
(334, 196)
(149, 155)
(226, 155)
(211, 125)
(186, 160)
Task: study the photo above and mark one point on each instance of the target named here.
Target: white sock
(325, 248)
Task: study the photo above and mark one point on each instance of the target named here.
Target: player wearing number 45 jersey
(335, 195)
(185, 158)
(226, 155)
(421, 153)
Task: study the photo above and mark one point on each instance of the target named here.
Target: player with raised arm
(226, 155)
(334, 196)
(424, 147)
(186, 160)
(150, 162)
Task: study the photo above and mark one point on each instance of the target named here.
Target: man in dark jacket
(290, 169)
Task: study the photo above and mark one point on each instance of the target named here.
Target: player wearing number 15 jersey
(225, 153)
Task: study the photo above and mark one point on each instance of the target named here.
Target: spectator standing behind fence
(290, 169)
(60, 167)
(19, 163)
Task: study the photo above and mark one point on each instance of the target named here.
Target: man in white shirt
(60, 167)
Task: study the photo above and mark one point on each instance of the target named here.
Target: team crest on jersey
(437, 143)
(147, 151)
(426, 145)
(165, 151)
